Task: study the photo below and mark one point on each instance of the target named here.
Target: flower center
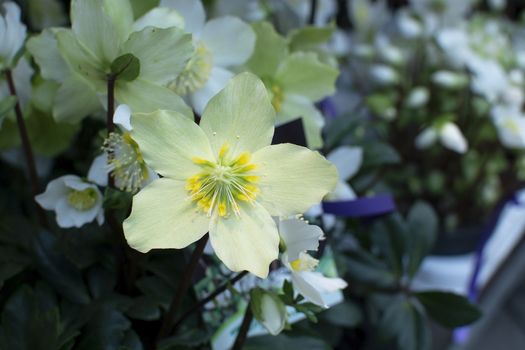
(223, 184)
(304, 263)
(196, 72)
(125, 161)
(82, 200)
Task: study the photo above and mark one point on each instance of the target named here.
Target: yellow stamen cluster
(223, 184)
(304, 263)
(196, 72)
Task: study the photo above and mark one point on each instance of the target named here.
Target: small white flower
(448, 79)
(417, 97)
(510, 124)
(273, 313)
(383, 74)
(76, 202)
(12, 35)
(409, 27)
(299, 237)
(449, 135)
(387, 51)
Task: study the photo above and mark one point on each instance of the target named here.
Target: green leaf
(105, 330)
(402, 321)
(44, 49)
(378, 153)
(126, 67)
(449, 309)
(270, 50)
(163, 53)
(308, 38)
(46, 13)
(364, 267)
(189, 338)
(304, 74)
(58, 271)
(47, 136)
(346, 314)
(144, 308)
(388, 236)
(6, 106)
(140, 7)
(422, 226)
(285, 342)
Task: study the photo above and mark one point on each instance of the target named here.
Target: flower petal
(143, 97)
(217, 80)
(163, 217)
(306, 289)
(191, 10)
(299, 237)
(241, 115)
(74, 100)
(347, 160)
(296, 106)
(102, 26)
(292, 178)
(98, 171)
(122, 117)
(168, 142)
(246, 242)
(163, 53)
(217, 35)
(270, 50)
(160, 17)
(303, 74)
(55, 190)
(313, 284)
(43, 47)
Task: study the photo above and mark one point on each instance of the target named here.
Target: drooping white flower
(269, 310)
(299, 237)
(12, 35)
(417, 97)
(76, 202)
(216, 52)
(449, 135)
(449, 79)
(383, 74)
(510, 124)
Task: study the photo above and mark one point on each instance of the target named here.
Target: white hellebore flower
(220, 44)
(122, 157)
(299, 237)
(448, 134)
(510, 123)
(347, 160)
(269, 310)
(223, 177)
(12, 35)
(76, 202)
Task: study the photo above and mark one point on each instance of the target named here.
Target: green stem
(245, 327)
(26, 146)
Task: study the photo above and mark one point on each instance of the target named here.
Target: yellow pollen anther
(222, 184)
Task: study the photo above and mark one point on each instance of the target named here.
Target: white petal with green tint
(246, 242)
(74, 100)
(144, 97)
(102, 25)
(347, 160)
(162, 217)
(160, 17)
(230, 40)
(241, 116)
(292, 178)
(191, 10)
(299, 236)
(163, 53)
(81, 60)
(303, 74)
(44, 49)
(296, 106)
(270, 50)
(217, 80)
(168, 142)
